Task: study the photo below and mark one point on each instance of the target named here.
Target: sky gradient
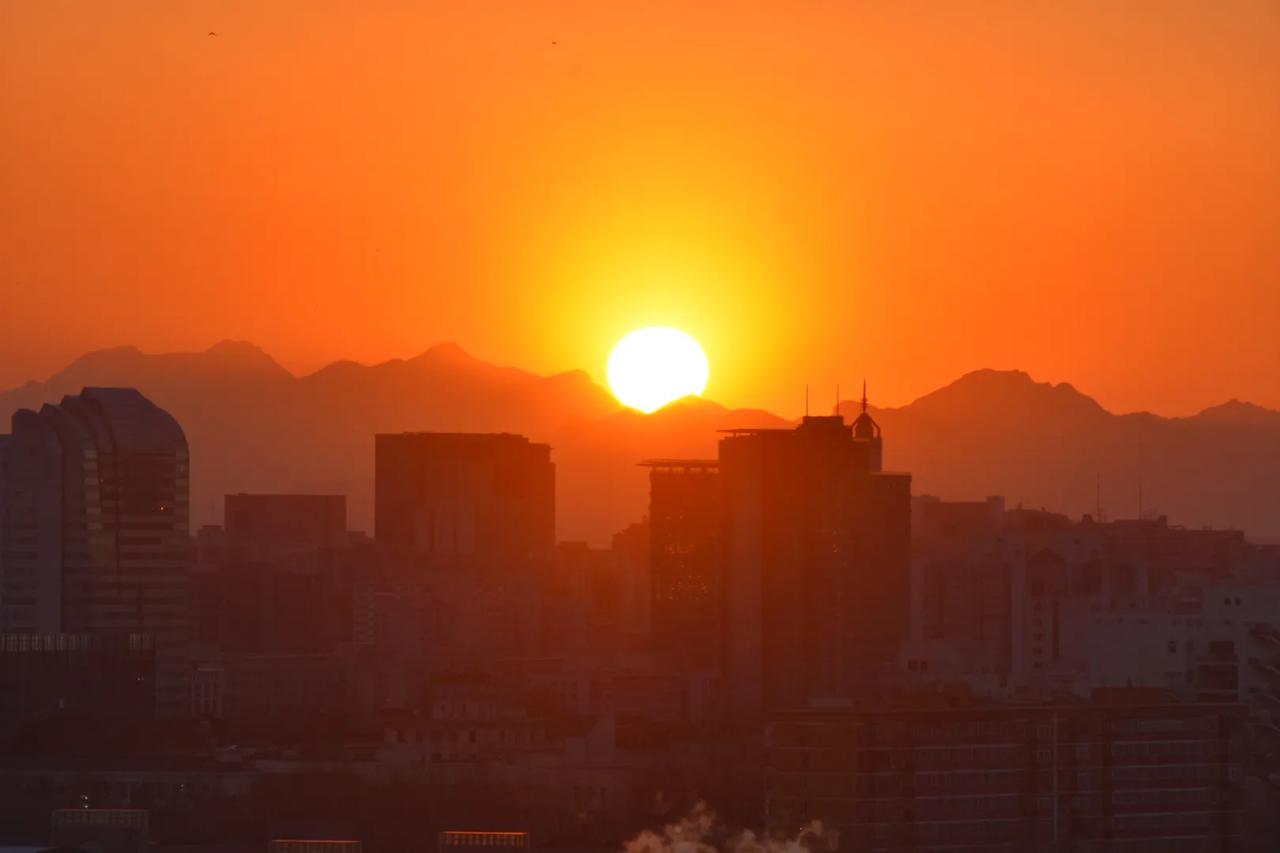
(818, 192)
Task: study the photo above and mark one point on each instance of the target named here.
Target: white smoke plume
(698, 831)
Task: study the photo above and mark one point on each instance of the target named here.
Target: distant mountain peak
(231, 346)
(1004, 378)
(1239, 411)
(106, 355)
(447, 352)
(1009, 393)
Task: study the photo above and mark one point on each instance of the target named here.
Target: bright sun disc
(652, 367)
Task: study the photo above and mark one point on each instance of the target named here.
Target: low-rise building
(1095, 776)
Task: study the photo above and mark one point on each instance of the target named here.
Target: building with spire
(866, 430)
(816, 542)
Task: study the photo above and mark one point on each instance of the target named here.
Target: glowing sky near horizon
(816, 191)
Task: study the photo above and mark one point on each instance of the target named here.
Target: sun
(653, 366)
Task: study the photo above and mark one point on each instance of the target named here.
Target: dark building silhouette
(286, 579)
(1104, 775)
(461, 500)
(273, 613)
(95, 526)
(108, 830)
(684, 529)
(264, 526)
(472, 516)
(630, 547)
(76, 676)
(816, 561)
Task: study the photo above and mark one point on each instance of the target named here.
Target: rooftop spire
(864, 426)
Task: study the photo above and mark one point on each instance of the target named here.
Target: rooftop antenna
(806, 400)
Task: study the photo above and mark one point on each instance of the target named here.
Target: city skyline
(1037, 443)
(664, 427)
(826, 648)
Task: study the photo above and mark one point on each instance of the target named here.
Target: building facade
(470, 519)
(684, 550)
(95, 527)
(74, 675)
(1114, 777)
(270, 527)
(816, 561)
(483, 502)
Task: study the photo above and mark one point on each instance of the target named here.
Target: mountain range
(255, 427)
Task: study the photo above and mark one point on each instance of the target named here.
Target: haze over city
(667, 427)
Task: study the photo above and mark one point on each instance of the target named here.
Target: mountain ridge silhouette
(255, 426)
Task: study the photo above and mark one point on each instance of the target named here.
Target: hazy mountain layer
(253, 426)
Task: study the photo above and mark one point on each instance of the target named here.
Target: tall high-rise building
(94, 533)
(473, 516)
(816, 562)
(466, 500)
(684, 554)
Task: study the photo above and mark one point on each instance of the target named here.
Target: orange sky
(817, 191)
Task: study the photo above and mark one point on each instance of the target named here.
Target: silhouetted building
(482, 842)
(95, 527)
(286, 607)
(74, 675)
(816, 562)
(314, 845)
(484, 502)
(1096, 776)
(684, 553)
(278, 581)
(108, 830)
(630, 547)
(581, 603)
(472, 516)
(270, 690)
(1154, 555)
(261, 527)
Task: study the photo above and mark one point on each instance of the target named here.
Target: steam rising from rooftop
(700, 831)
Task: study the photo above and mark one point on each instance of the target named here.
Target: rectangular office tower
(94, 527)
(816, 563)
(465, 500)
(265, 527)
(469, 520)
(684, 554)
